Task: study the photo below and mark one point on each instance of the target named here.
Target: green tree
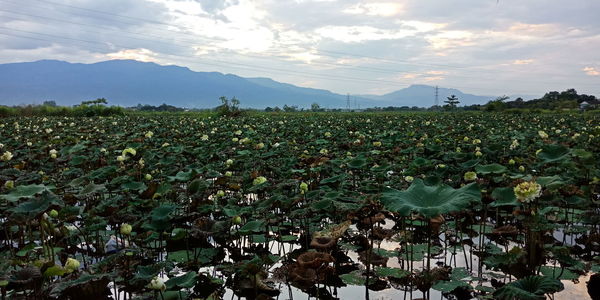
(452, 101)
(497, 104)
(315, 107)
(288, 108)
(230, 108)
(95, 102)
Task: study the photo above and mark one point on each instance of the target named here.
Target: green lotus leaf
(36, 206)
(134, 186)
(160, 217)
(504, 197)
(198, 185)
(420, 162)
(74, 149)
(102, 173)
(183, 176)
(185, 281)
(91, 189)
(469, 164)
(175, 295)
(552, 153)
(78, 160)
(144, 274)
(54, 270)
(24, 191)
(180, 256)
(555, 272)
(357, 163)
(333, 179)
(529, 288)
(550, 181)
(253, 226)
(581, 153)
(354, 278)
(391, 272)
(84, 279)
(449, 286)
(490, 169)
(430, 201)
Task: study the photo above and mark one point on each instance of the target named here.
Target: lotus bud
(71, 265)
(470, 176)
(125, 229)
(9, 184)
(157, 284)
(259, 180)
(303, 188)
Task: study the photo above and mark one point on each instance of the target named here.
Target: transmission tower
(348, 102)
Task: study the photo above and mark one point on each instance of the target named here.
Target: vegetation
(184, 206)
(451, 102)
(568, 99)
(229, 108)
(49, 108)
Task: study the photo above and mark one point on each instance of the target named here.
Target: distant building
(589, 104)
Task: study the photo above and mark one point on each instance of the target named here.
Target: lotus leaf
(430, 201)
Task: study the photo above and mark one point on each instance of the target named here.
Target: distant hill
(129, 82)
(424, 95)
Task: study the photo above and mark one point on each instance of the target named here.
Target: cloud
(144, 55)
(380, 9)
(358, 34)
(487, 47)
(450, 39)
(522, 61)
(591, 71)
(436, 72)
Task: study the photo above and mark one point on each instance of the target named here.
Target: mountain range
(130, 82)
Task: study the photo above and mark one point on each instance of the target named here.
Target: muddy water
(573, 290)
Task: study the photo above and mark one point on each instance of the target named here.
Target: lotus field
(330, 206)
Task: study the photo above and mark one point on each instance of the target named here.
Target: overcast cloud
(485, 47)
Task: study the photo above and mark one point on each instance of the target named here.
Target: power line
(354, 67)
(225, 63)
(96, 26)
(357, 68)
(403, 62)
(235, 65)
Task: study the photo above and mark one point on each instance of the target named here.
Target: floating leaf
(529, 288)
(391, 272)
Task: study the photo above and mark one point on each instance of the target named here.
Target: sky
(484, 47)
